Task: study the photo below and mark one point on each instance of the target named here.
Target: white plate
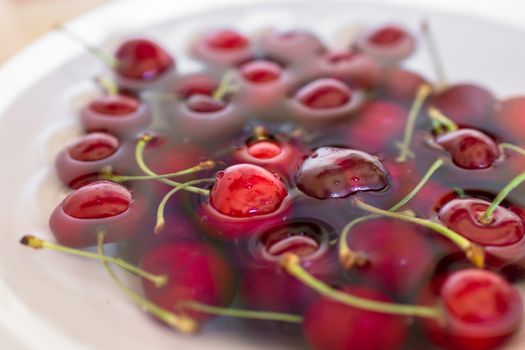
(53, 301)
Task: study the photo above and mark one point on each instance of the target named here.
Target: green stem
(250, 314)
(503, 146)
(181, 323)
(515, 182)
(122, 178)
(437, 116)
(225, 86)
(291, 264)
(37, 243)
(108, 85)
(434, 55)
(473, 252)
(139, 157)
(422, 93)
(160, 210)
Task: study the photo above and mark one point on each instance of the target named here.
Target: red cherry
(195, 84)
(264, 149)
(98, 200)
(481, 309)
(118, 105)
(291, 46)
(324, 94)
(469, 148)
(247, 190)
(195, 271)
(510, 117)
(388, 44)
(142, 59)
(466, 104)
(354, 68)
(335, 326)
(401, 84)
(332, 172)
(261, 71)
(225, 39)
(93, 147)
(204, 104)
(387, 35)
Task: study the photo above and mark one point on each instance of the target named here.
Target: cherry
(399, 266)
(332, 172)
(195, 84)
(264, 149)
(466, 104)
(247, 190)
(265, 286)
(226, 39)
(356, 69)
(93, 147)
(260, 72)
(142, 60)
(401, 84)
(509, 116)
(388, 44)
(469, 148)
(335, 326)
(117, 114)
(195, 272)
(324, 94)
(376, 124)
(204, 104)
(502, 237)
(291, 46)
(101, 204)
(224, 47)
(481, 310)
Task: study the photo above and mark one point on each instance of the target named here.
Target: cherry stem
(434, 55)
(515, 182)
(160, 210)
(139, 157)
(504, 146)
(107, 85)
(205, 165)
(350, 258)
(183, 324)
(229, 312)
(38, 243)
(405, 152)
(225, 86)
(107, 59)
(441, 119)
(473, 252)
(291, 264)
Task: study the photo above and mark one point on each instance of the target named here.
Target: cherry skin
(324, 94)
(401, 265)
(335, 326)
(93, 147)
(264, 149)
(466, 104)
(388, 44)
(195, 84)
(114, 105)
(204, 104)
(332, 172)
(142, 60)
(291, 46)
(357, 69)
(260, 72)
(469, 148)
(401, 85)
(226, 39)
(481, 311)
(509, 116)
(247, 190)
(223, 47)
(195, 271)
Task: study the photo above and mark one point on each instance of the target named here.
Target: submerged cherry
(324, 94)
(481, 311)
(247, 190)
(389, 44)
(142, 59)
(114, 105)
(332, 172)
(93, 147)
(204, 104)
(260, 72)
(401, 84)
(329, 324)
(470, 148)
(510, 116)
(226, 39)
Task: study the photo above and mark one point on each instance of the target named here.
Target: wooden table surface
(23, 21)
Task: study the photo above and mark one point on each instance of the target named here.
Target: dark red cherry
(469, 148)
(510, 116)
(463, 215)
(226, 39)
(195, 271)
(98, 200)
(204, 104)
(388, 44)
(324, 94)
(481, 311)
(332, 172)
(376, 124)
(401, 266)
(93, 147)
(247, 190)
(195, 84)
(354, 68)
(401, 84)
(260, 72)
(466, 104)
(331, 325)
(291, 46)
(142, 59)
(115, 105)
